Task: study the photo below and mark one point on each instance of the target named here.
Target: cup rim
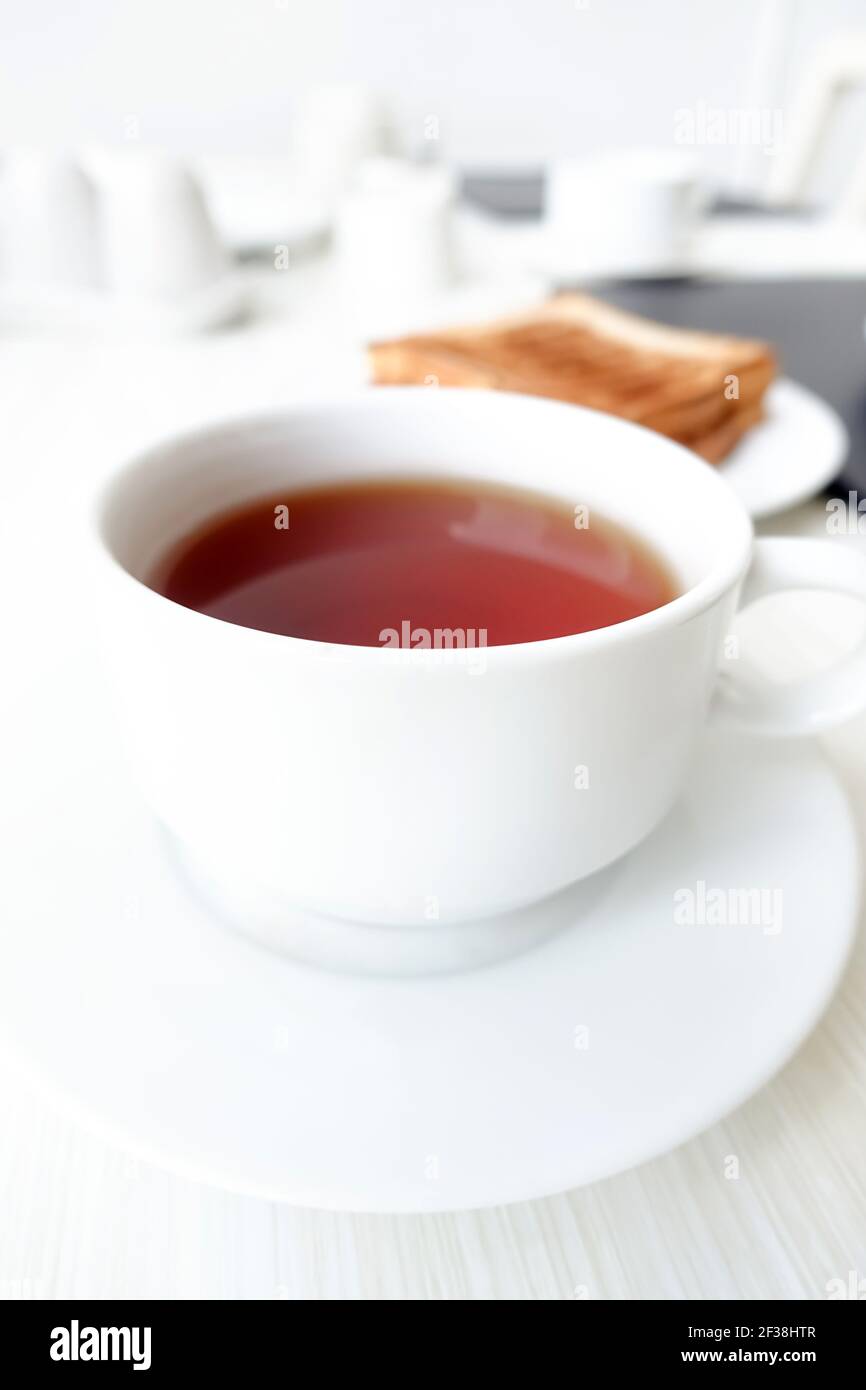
(697, 598)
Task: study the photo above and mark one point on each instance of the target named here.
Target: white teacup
(626, 212)
(385, 787)
(160, 241)
(51, 233)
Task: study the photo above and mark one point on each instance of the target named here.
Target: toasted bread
(718, 443)
(689, 385)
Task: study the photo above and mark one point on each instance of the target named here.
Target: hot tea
(365, 563)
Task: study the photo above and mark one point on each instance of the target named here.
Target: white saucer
(799, 448)
(93, 311)
(550, 255)
(621, 1036)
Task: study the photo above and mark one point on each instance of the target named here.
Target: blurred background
(325, 175)
(512, 84)
(275, 106)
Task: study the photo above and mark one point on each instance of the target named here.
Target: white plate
(791, 455)
(621, 1036)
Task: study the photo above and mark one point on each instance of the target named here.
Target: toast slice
(718, 443)
(702, 389)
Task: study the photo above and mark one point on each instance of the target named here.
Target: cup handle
(783, 564)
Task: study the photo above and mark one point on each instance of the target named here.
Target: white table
(79, 1219)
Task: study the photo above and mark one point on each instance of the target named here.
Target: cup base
(364, 948)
